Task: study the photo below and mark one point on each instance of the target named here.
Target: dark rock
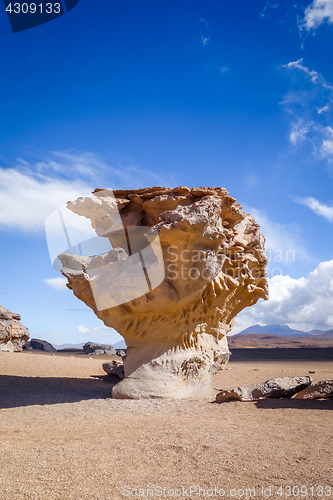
(39, 345)
(97, 349)
(121, 352)
(114, 368)
(273, 388)
(323, 389)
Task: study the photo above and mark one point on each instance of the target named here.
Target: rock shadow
(299, 404)
(26, 391)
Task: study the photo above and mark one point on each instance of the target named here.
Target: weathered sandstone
(281, 387)
(13, 335)
(201, 259)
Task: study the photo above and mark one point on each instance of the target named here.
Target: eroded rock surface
(114, 368)
(13, 335)
(279, 387)
(213, 261)
(323, 389)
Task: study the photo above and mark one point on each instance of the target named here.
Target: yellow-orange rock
(214, 265)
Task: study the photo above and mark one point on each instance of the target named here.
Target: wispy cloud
(269, 5)
(284, 243)
(30, 192)
(206, 23)
(310, 110)
(316, 14)
(304, 303)
(100, 331)
(57, 283)
(318, 207)
(205, 39)
(223, 70)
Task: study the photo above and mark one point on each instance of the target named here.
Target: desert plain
(64, 438)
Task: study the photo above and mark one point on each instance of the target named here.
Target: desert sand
(64, 437)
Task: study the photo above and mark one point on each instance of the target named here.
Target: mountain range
(285, 331)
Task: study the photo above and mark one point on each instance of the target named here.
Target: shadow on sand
(27, 391)
(298, 404)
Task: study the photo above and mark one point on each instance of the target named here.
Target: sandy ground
(63, 437)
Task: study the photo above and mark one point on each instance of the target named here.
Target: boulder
(184, 262)
(98, 349)
(39, 345)
(274, 388)
(13, 335)
(323, 389)
(114, 368)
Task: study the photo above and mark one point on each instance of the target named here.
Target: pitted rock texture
(214, 262)
(280, 387)
(13, 335)
(320, 390)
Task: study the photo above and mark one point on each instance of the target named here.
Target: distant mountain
(120, 345)
(285, 331)
(259, 340)
(69, 346)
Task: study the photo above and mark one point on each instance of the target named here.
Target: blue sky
(128, 94)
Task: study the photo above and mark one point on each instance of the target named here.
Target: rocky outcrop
(323, 389)
(184, 262)
(13, 335)
(274, 388)
(39, 345)
(114, 368)
(98, 349)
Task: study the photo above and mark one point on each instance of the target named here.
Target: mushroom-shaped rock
(183, 263)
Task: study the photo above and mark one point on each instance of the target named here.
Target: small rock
(312, 371)
(323, 389)
(114, 368)
(255, 369)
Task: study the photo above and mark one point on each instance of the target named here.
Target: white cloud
(310, 112)
(82, 329)
(303, 304)
(318, 207)
(317, 13)
(55, 333)
(100, 331)
(224, 69)
(29, 193)
(57, 283)
(205, 39)
(313, 75)
(26, 201)
(298, 132)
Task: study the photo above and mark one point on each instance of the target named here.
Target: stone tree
(183, 263)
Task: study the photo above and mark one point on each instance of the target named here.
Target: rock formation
(281, 387)
(13, 335)
(39, 345)
(323, 389)
(201, 259)
(97, 349)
